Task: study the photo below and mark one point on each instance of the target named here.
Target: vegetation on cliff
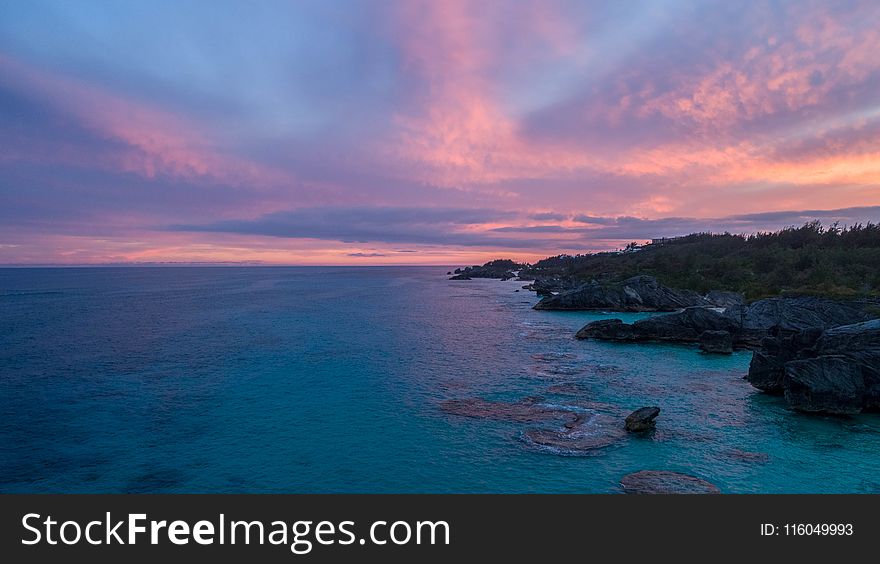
(811, 259)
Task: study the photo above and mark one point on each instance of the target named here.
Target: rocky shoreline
(821, 354)
(637, 294)
(836, 370)
(746, 325)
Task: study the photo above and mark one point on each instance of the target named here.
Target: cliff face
(640, 293)
(832, 371)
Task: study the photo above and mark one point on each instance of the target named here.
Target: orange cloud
(464, 138)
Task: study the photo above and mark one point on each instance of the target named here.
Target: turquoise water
(331, 380)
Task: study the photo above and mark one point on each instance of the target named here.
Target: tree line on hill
(810, 259)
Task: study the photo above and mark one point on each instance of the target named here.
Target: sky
(435, 132)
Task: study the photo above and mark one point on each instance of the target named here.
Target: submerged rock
(566, 389)
(590, 432)
(716, 342)
(461, 277)
(747, 456)
(642, 419)
(527, 410)
(579, 429)
(640, 293)
(553, 356)
(664, 482)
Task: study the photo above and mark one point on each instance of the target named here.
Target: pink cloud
(462, 136)
(826, 55)
(152, 141)
(769, 119)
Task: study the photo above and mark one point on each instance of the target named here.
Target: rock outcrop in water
(642, 419)
(822, 355)
(640, 293)
(716, 342)
(747, 325)
(832, 371)
(682, 327)
(546, 287)
(767, 369)
(503, 269)
(664, 482)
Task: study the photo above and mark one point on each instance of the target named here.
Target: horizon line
(211, 264)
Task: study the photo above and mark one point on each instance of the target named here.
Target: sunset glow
(446, 132)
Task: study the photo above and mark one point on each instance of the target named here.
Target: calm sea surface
(331, 380)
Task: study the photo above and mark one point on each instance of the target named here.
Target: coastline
(332, 381)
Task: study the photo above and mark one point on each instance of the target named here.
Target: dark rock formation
(548, 286)
(720, 298)
(502, 269)
(789, 315)
(747, 325)
(767, 369)
(716, 342)
(833, 371)
(832, 384)
(607, 330)
(642, 419)
(663, 482)
(683, 327)
(641, 293)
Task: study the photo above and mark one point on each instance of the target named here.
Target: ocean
(313, 380)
